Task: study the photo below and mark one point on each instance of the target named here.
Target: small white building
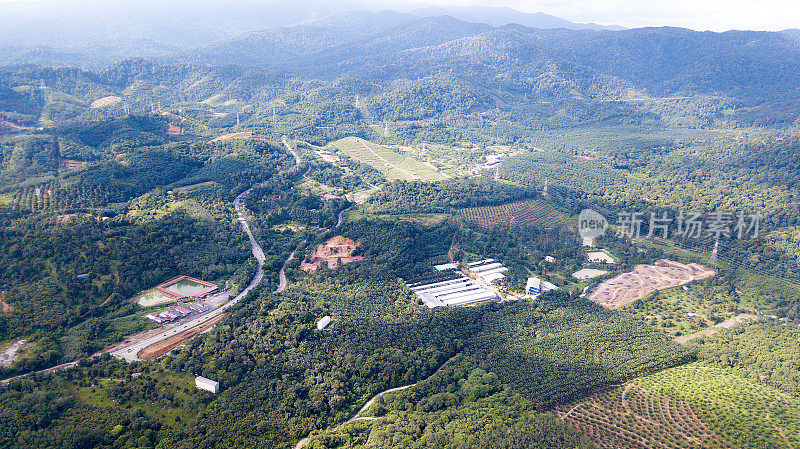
(209, 385)
(323, 322)
(445, 267)
(536, 286)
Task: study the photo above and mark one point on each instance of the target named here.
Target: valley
(365, 230)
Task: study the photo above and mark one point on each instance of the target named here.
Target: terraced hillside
(633, 417)
(745, 413)
(537, 212)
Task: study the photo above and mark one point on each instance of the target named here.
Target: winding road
(130, 352)
(282, 282)
(341, 215)
(302, 443)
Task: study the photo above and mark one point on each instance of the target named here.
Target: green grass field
(390, 164)
(135, 393)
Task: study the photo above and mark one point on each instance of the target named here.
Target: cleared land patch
(336, 251)
(4, 306)
(588, 273)
(627, 288)
(69, 164)
(537, 212)
(194, 187)
(633, 417)
(110, 100)
(13, 351)
(727, 324)
(234, 136)
(389, 163)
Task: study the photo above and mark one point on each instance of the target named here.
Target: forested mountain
(318, 165)
(95, 33)
(499, 16)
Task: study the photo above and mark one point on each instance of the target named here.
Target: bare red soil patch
(174, 130)
(629, 287)
(7, 127)
(169, 344)
(336, 251)
(69, 164)
(66, 218)
(4, 306)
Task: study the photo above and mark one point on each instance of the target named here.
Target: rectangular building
(323, 322)
(209, 385)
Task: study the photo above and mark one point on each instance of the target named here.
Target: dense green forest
(114, 180)
(460, 406)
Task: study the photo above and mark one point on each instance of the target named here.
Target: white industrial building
(462, 290)
(536, 286)
(445, 267)
(206, 384)
(487, 271)
(454, 292)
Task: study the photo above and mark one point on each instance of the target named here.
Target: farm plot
(629, 287)
(633, 417)
(537, 212)
(390, 164)
(743, 412)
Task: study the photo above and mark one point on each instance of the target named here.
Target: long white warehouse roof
(468, 299)
(490, 266)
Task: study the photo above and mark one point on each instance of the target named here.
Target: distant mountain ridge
(94, 33)
(499, 16)
(663, 61)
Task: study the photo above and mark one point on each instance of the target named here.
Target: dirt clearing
(727, 324)
(629, 287)
(13, 351)
(4, 306)
(336, 251)
(233, 136)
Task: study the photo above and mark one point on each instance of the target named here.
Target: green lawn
(181, 408)
(389, 163)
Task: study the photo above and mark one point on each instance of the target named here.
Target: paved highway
(130, 353)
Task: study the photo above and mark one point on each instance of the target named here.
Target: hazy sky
(717, 15)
